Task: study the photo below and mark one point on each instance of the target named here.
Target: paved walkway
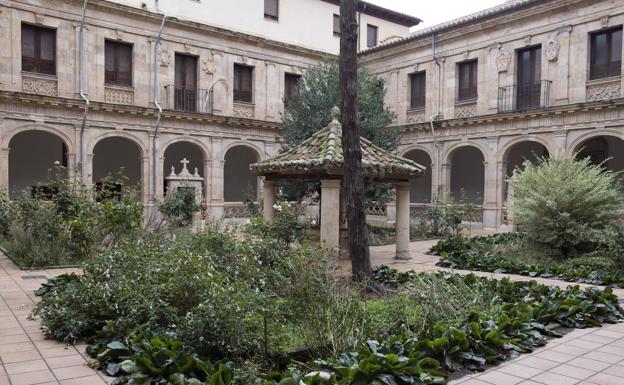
(590, 356)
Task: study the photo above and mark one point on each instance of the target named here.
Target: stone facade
(575, 110)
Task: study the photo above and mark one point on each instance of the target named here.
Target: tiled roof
(507, 6)
(322, 153)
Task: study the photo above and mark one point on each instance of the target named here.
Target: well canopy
(321, 157)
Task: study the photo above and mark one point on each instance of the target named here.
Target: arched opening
(516, 157)
(420, 188)
(239, 182)
(606, 150)
(116, 155)
(32, 156)
(178, 151)
(467, 175)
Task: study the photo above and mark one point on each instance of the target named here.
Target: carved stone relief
(208, 65)
(33, 85)
(164, 57)
(604, 91)
(552, 49)
(503, 60)
(417, 116)
(244, 110)
(118, 96)
(465, 110)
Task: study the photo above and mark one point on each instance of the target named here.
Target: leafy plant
(563, 204)
(179, 206)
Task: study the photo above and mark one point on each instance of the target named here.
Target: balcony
(524, 97)
(188, 100)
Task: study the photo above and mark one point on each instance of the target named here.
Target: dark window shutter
(271, 9)
(606, 54)
(243, 83)
(38, 49)
(371, 34)
(290, 85)
(467, 88)
(118, 63)
(417, 90)
(336, 25)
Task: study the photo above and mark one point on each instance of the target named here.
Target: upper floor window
(290, 85)
(118, 63)
(371, 35)
(185, 83)
(336, 25)
(38, 49)
(606, 54)
(271, 9)
(417, 90)
(243, 83)
(467, 74)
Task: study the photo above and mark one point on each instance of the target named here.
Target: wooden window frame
(470, 92)
(36, 64)
(613, 66)
(269, 16)
(370, 27)
(114, 78)
(418, 102)
(241, 95)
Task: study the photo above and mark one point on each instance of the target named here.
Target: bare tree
(353, 184)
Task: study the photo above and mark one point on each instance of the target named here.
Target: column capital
(402, 185)
(330, 183)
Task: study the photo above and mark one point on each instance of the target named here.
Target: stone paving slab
(582, 357)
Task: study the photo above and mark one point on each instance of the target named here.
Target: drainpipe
(435, 117)
(156, 102)
(82, 93)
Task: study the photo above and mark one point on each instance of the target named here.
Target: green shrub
(285, 226)
(564, 204)
(179, 206)
(6, 215)
(67, 226)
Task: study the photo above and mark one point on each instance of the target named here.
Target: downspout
(156, 102)
(438, 114)
(82, 93)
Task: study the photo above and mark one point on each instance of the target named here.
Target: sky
(436, 11)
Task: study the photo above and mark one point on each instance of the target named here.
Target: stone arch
(67, 139)
(467, 173)
(516, 153)
(259, 152)
(239, 182)
(177, 149)
(117, 153)
(601, 148)
(420, 188)
(33, 156)
(141, 145)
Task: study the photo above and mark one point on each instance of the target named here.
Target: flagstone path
(583, 357)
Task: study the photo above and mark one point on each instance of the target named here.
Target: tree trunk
(353, 184)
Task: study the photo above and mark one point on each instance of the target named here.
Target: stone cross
(185, 162)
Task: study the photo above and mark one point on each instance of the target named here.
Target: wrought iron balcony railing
(188, 100)
(524, 97)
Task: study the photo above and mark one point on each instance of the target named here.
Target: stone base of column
(491, 218)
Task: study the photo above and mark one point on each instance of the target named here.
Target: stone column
(490, 204)
(269, 200)
(4, 170)
(402, 226)
(330, 214)
(146, 178)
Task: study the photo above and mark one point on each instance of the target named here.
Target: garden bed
(508, 253)
(211, 309)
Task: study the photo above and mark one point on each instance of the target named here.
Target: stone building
(478, 96)
(474, 97)
(221, 92)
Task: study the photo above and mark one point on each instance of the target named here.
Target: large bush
(66, 223)
(564, 204)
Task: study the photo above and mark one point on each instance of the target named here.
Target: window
(336, 25)
(38, 50)
(243, 81)
(606, 54)
(271, 9)
(290, 85)
(185, 87)
(417, 90)
(371, 34)
(467, 73)
(118, 63)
